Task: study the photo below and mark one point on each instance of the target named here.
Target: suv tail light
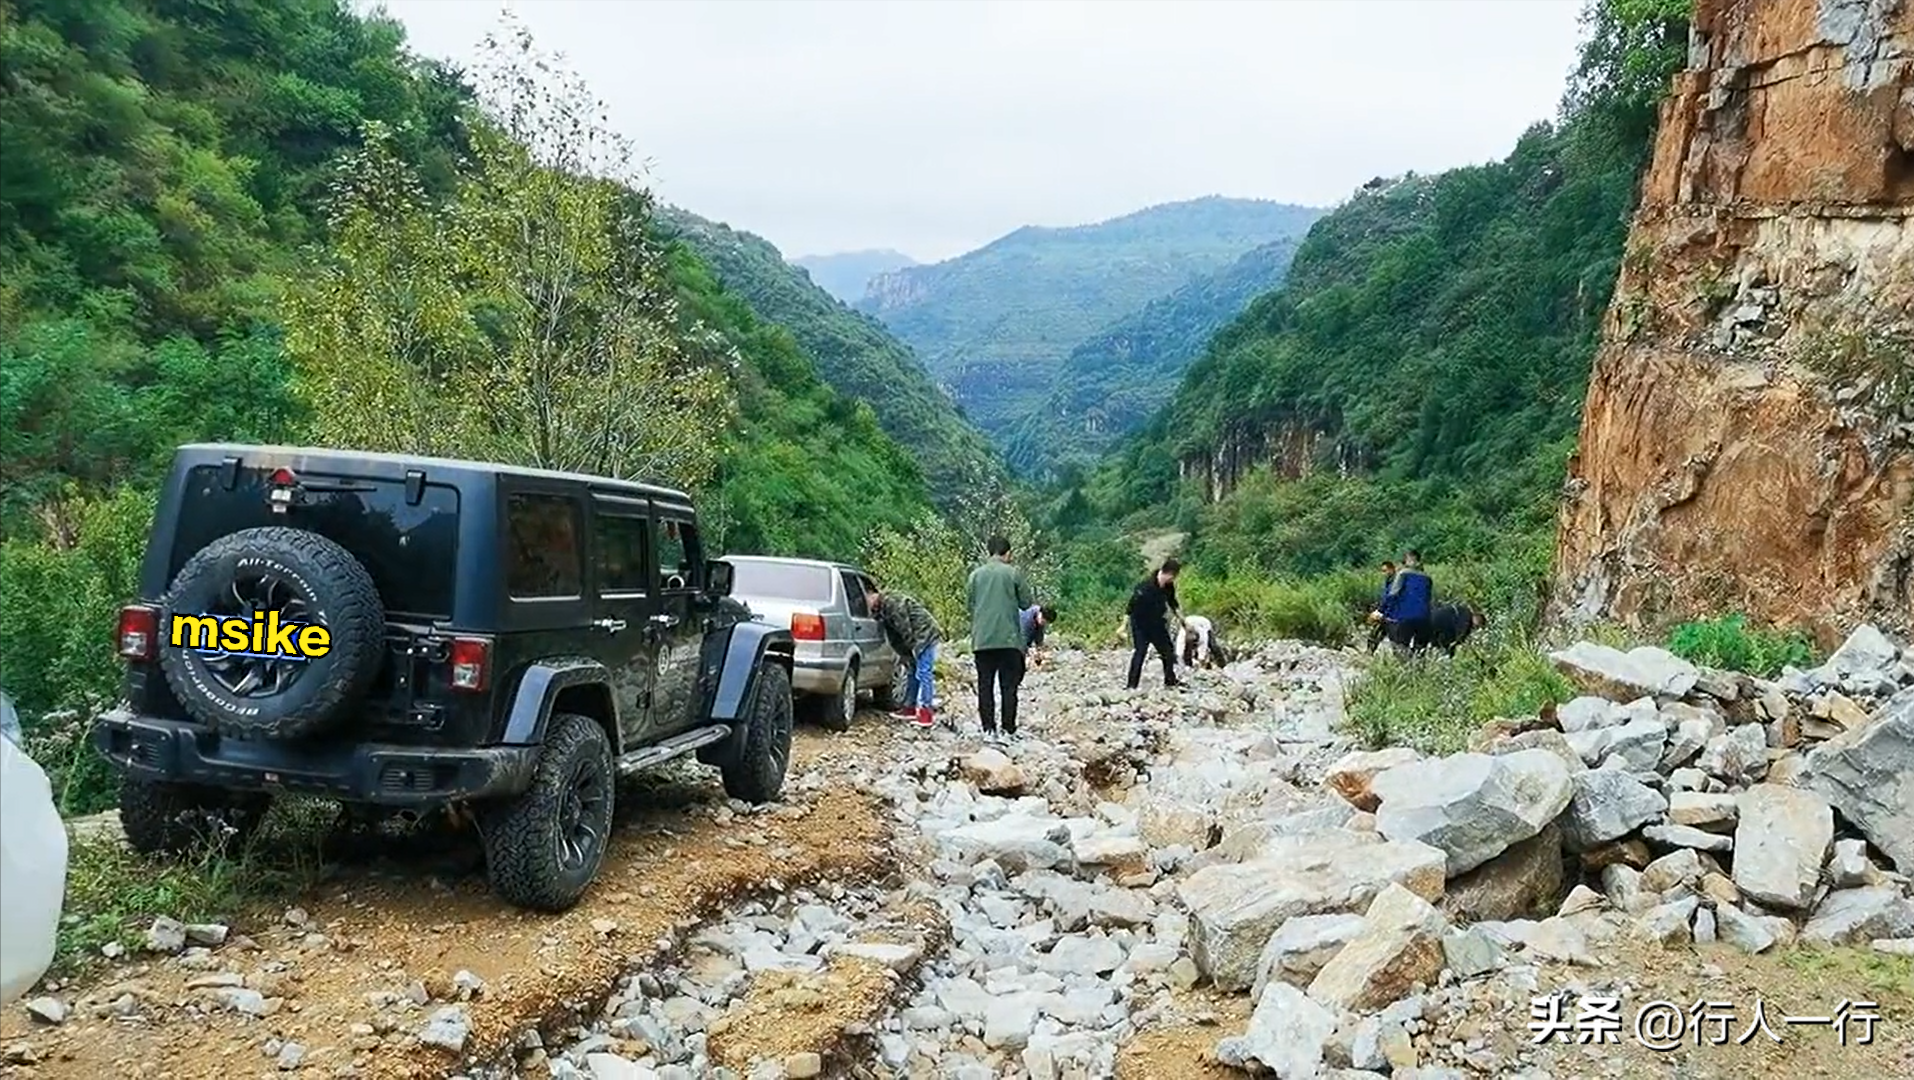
(471, 663)
(807, 626)
(138, 635)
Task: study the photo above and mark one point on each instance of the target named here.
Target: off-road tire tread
(356, 626)
(753, 776)
(521, 845)
(159, 817)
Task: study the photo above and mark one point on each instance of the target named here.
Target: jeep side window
(854, 596)
(542, 547)
(677, 554)
(623, 563)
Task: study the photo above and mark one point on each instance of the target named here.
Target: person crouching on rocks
(1196, 644)
(1151, 604)
(1035, 619)
(914, 633)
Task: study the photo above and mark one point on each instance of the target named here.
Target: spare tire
(308, 580)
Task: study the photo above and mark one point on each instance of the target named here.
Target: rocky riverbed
(1148, 884)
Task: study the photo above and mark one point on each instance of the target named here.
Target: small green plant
(113, 894)
(1731, 643)
(1434, 704)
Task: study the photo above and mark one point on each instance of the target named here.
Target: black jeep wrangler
(505, 639)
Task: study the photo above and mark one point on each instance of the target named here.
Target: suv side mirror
(718, 576)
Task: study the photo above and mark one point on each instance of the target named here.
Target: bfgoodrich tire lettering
(333, 589)
(757, 774)
(532, 849)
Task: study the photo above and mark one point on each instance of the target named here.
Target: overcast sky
(933, 127)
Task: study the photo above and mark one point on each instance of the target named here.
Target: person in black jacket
(1451, 624)
(1151, 604)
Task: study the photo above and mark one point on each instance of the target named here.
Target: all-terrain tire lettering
(339, 594)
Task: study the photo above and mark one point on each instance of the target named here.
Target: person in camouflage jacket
(914, 633)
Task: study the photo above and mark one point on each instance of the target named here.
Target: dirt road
(911, 910)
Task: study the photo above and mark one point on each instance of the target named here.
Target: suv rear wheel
(757, 774)
(891, 694)
(544, 847)
(836, 711)
(174, 818)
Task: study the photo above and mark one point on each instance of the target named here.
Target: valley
(1635, 385)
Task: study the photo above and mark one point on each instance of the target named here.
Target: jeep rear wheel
(160, 817)
(544, 847)
(301, 577)
(756, 775)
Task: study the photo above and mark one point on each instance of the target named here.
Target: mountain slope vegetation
(1418, 379)
(854, 352)
(1111, 385)
(846, 274)
(170, 223)
(995, 325)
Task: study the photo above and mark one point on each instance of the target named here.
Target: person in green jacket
(997, 594)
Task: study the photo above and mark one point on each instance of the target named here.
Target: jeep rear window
(410, 550)
(782, 581)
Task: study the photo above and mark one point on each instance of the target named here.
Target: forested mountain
(845, 274)
(1110, 386)
(266, 221)
(1418, 379)
(854, 352)
(995, 325)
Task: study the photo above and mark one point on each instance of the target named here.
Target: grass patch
(1319, 610)
(113, 894)
(1435, 703)
(1732, 644)
(1855, 969)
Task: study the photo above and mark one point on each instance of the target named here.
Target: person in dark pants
(1451, 624)
(1406, 604)
(997, 594)
(1378, 627)
(1151, 604)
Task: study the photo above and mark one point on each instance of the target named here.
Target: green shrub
(1730, 643)
(1435, 703)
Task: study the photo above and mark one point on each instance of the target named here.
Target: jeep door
(624, 601)
(676, 625)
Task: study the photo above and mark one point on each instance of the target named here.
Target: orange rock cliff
(1748, 439)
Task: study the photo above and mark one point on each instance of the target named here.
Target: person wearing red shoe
(913, 632)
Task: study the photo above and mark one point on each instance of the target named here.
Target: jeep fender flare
(740, 656)
(537, 697)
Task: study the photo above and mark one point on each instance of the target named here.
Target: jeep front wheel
(544, 847)
(756, 775)
(159, 817)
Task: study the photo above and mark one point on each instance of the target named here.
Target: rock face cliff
(1748, 439)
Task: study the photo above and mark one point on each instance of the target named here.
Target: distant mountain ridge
(1110, 386)
(845, 274)
(853, 352)
(996, 325)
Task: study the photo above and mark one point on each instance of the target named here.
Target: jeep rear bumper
(151, 748)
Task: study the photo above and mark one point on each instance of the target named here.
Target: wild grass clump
(1434, 703)
(1733, 644)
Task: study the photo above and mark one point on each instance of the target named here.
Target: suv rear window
(410, 551)
(782, 581)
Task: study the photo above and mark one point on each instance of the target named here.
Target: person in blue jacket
(1406, 604)
(1380, 627)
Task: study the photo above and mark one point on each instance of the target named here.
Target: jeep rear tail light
(807, 626)
(139, 632)
(471, 663)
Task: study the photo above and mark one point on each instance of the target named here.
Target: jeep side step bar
(681, 743)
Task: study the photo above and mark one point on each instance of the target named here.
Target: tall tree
(530, 318)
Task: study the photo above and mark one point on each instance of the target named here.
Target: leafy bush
(1730, 643)
(1434, 703)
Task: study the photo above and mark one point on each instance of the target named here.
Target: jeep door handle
(664, 622)
(609, 626)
